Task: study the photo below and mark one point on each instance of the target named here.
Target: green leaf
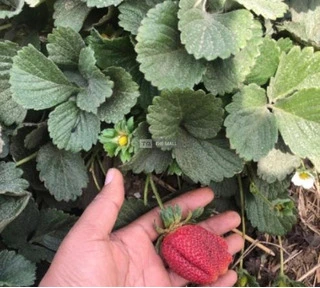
(260, 210)
(130, 210)
(1, 142)
(285, 44)
(64, 47)
(36, 82)
(251, 127)
(10, 179)
(10, 8)
(147, 158)
(305, 21)
(102, 3)
(10, 111)
(37, 137)
(64, 173)
(13, 197)
(117, 52)
(225, 76)
(52, 228)
(8, 51)
(124, 97)
(4, 151)
(17, 234)
(245, 279)
(73, 129)
(37, 234)
(299, 69)
(164, 60)
(34, 3)
(227, 188)
(212, 35)
(266, 64)
(195, 111)
(15, 270)
(269, 9)
(70, 13)
(277, 165)
(11, 205)
(99, 86)
(298, 119)
(132, 12)
(205, 160)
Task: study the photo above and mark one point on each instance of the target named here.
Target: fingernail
(109, 176)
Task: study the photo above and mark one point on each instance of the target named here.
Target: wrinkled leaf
(298, 119)
(10, 178)
(305, 21)
(63, 172)
(164, 61)
(36, 82)
(132, 12)
(195, 111)
(64, 46)
(269, 9)
(225, 76)
(98, 87)
(277, 165)
(37, 234)
(266, 64)
(147, 158)
(299, 69)
(212, 35)
(70, 13)
(251, 127)
(261, 212)
(206, 160)
(15, 270)
(73, 129)
(124, 96)
(10, 111)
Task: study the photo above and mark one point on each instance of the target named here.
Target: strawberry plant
(219, 93)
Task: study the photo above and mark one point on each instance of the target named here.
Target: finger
(100, 216)
(235, 243)
(222, 223)
(226, 280)
(187, 202)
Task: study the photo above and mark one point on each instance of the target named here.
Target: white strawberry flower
(303, 178)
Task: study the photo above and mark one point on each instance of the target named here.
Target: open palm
(92, 255)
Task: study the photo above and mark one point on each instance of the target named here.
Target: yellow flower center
(304, 175)
(123, 140)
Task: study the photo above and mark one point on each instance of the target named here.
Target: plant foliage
(207, 90)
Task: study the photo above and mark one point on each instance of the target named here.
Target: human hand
(91, 255)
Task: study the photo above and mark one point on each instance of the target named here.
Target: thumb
(103, 211)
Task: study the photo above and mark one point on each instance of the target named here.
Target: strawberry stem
(242, 217)
(156, 193)
(281, 257)
(146, 189)
(27, 159)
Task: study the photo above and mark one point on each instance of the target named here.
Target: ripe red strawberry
(196, 254)
(190, 250)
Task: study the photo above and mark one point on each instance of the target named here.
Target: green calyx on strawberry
(190, 250)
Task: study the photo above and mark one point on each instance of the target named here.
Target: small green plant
(220, 93)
